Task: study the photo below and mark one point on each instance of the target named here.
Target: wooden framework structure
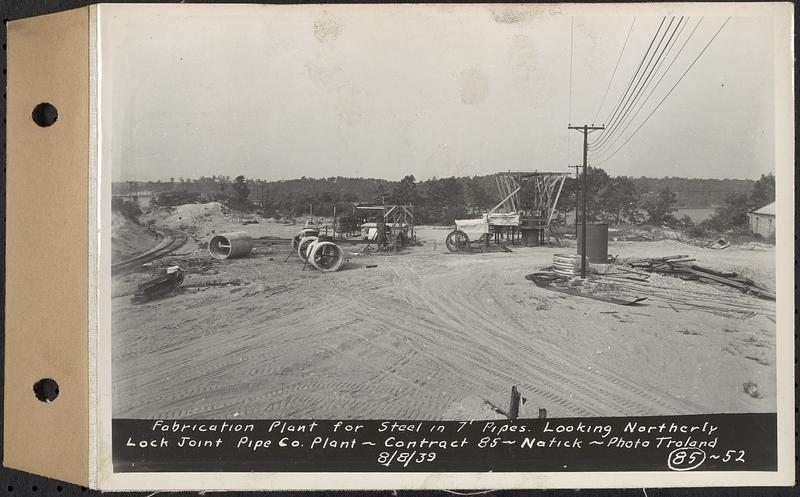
(396, 217)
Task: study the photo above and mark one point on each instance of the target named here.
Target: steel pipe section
(310, 248)
(302, 247)
(230, 245)
(302, 234)
(326, 256)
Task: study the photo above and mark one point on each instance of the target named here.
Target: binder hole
(59, 488)
(34, 488)
(46, 390)
(44, 114)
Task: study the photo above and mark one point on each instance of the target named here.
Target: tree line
(615, 199)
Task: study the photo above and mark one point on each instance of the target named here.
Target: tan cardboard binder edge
(47, 246)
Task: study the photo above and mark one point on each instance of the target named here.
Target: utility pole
(585, 130)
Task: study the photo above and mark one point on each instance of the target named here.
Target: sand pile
(203, 221)
(198, 219)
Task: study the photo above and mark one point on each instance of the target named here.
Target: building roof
(768, 210)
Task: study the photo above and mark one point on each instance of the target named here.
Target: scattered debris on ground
(678, 265)
(160, 286)
(751, 389)
(590, 290)
(719, 244)
(515, 405)
(203, 282)
(631, 281)
(190, 264)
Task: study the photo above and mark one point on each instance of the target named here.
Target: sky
(280, 92)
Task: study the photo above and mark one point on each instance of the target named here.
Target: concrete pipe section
(326, 256)
(230, 245)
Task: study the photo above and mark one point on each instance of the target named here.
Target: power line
(569, 115)
(618, 135)
(603, 141)
(598, 151)
(647, 98)
(668, 93)
(644, 78)
(615, 70)
(571, 34)
(652, 66)
(625, 93)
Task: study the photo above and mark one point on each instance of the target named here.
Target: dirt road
(426, 335)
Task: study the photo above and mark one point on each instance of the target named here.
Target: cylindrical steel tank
(596, 242)
(230, 245)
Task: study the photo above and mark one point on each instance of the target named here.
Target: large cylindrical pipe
(302, 234)
(230, 245)
(302, 247)
(326, 256)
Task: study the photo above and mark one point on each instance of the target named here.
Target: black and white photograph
(460, 213)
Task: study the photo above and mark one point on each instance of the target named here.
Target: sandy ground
(430, 335)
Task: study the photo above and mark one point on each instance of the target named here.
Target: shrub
(128, 209)
(699, 230)
(685, 222)
(173, 198)
(214, 197)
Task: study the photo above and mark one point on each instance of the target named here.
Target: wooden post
(513, 407)
(413, 227)
(394, 231)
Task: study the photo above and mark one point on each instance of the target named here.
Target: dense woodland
(617, 199)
